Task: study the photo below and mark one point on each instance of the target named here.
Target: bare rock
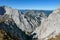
(50, 27)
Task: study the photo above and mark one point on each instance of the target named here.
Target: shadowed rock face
(4, 35)
(2, 11)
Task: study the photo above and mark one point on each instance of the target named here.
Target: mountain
(50, 27)
(19, 25)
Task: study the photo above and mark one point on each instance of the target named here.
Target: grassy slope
(56, 38)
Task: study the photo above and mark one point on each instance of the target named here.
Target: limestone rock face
(34, 19)
(50, 27)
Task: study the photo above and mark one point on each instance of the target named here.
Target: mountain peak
(5, 6)
(57, 10)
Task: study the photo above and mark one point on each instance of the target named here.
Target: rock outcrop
(50, 27)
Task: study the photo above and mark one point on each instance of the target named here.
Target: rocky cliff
(50, 27)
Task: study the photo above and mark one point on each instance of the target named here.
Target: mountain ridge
(50, 27)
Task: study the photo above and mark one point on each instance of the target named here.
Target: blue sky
(31, 4)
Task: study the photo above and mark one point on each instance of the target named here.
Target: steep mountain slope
(50, 27)
(9, 26)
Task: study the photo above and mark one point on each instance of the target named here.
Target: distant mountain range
(47, 12)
